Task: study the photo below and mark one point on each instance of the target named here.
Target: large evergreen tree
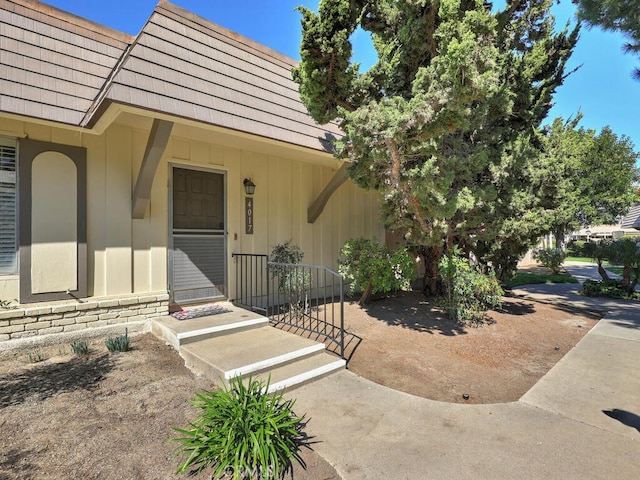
(614, 15)
(443, 124)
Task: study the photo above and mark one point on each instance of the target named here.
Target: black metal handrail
(252, 286)
(308, 298)
(305, 299)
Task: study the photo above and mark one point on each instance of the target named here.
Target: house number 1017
(248, 209)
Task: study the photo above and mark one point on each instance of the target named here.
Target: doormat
(196, 312)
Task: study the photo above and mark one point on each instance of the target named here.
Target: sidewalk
(580, 421)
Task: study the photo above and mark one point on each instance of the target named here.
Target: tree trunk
(602, 271)
(626, 278)
(431, 256)
(559, 234)
(364, 298)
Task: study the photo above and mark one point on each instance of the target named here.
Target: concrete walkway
(580, 421)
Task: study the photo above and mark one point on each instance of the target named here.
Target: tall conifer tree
(444, 124)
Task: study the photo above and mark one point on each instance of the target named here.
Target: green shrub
(294, 281)
(81, 347)
(118, 344)
(551, 258)
(242, 432)
(371, 268)
(575, 248)
(626, 253)
(286, 252)
(607, 288)
(468, 293)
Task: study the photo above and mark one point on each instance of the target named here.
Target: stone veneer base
(83, 318)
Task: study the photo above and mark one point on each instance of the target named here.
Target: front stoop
(240, 342)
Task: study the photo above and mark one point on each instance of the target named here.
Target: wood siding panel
(221, 33)
(188, 40)
(223, 100)
(53, 64)
(203, 72)
(192, 68)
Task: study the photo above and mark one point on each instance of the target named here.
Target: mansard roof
(59, 67)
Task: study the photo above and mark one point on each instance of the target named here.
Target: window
(8, 230)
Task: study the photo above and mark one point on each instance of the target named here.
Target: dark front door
(198, 257)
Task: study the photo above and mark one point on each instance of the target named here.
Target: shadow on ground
(16, 462)
(43, 381)
(421, 314)
(626, 418)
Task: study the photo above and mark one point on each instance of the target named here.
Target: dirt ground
(406, 343)
(103, 416)
(108, 416)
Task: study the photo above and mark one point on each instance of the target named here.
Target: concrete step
(241, 343)
(180, 332)
(247, 352)
(301, 371)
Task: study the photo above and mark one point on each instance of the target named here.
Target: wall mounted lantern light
(249, 186)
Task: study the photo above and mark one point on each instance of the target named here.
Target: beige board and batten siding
(284, 190)
(129, 256)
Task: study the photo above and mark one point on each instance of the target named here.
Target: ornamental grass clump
(81, 347)
(119, 344)
(242, 432)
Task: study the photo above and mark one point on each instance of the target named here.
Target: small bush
(286, 252)
(551, 258)
(607, 288)
(576, 248)
(242, 432)
(36, 356)
(81, 347)
(118, 344)
(468, 293)
(371, 268)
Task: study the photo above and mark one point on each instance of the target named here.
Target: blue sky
(603, 88)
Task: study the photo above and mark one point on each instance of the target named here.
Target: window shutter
(8, 257)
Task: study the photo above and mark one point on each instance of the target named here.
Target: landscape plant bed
(109, 415)
(407, 343)
(102, 416)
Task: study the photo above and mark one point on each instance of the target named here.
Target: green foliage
(36, 356)
(81, 347)
(529, 278)
(242, 432)
(579, 188)
(626, 252)
(607, 288)
(294, 282)
(121, 343)
(468, 293)
(575, 248)
(443, 125)
(551, 258)
(371, 268)
(285, 253)
(614, 15)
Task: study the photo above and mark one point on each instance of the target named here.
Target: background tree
(614, 15)
(442, 125)
(590, 176)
